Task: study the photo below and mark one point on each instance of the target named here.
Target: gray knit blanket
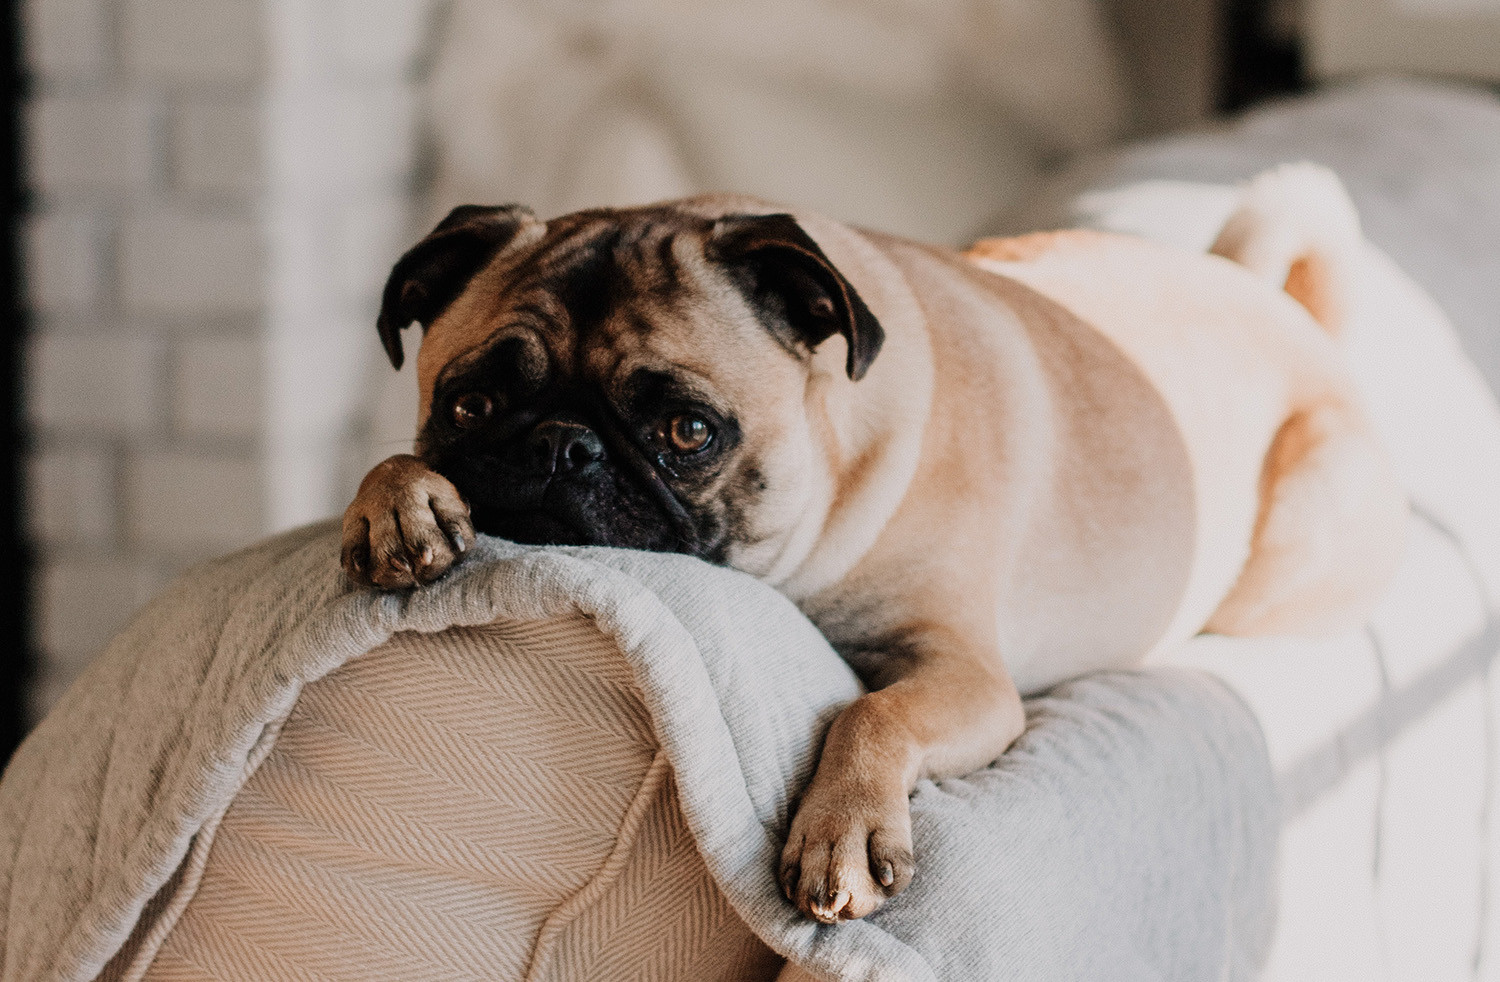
(1129, 834)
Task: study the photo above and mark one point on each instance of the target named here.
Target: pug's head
(639, 377)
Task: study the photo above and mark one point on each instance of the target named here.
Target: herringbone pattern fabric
(481, 803)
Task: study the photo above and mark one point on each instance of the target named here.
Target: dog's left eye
(686, 433)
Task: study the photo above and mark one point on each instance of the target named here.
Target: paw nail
(458, 542)
(427, 556)
(830, 911)
(887, 875)
(401, 564)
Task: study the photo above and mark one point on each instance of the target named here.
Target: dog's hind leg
(1330, 530)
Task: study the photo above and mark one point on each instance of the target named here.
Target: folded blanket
(1128, 835)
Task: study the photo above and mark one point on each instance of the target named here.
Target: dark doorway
(1262, 55)
(15, 586)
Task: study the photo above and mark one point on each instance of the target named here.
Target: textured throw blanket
(1128, 836)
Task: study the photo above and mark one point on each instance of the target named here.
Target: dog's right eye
(686, 434)
(472, 409)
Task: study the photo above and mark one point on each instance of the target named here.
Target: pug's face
(639, 377)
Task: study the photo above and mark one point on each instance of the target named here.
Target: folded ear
(789, 277)
(435, 271)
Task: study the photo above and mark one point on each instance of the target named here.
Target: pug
(978, 473)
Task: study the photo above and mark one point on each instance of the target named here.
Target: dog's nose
(558, 447)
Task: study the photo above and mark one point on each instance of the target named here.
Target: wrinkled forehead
(605, 295)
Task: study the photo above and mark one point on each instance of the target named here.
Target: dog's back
(1239, 342)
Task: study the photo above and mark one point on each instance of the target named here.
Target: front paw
(848, 851)
(406, 526)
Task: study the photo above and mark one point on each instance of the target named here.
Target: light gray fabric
(1384, 744)
(1420, 159)
(1128, 836)
(1422, 162)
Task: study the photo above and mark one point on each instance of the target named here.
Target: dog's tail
(1296, 226)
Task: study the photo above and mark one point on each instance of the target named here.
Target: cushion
(484, 802)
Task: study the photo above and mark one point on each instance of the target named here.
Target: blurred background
(203, 198)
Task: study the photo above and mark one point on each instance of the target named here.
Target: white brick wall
(220, 187)
(97, 142)
(66, 38)
(85, 599)
(377, 39)
(193, 40)
(63, 260)
(191, 504)
(191, 264)
(217, 388)
(72, 493)
(216, 146)
(340, 156)
(94, 384)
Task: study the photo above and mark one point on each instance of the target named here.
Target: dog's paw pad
(407, 526)
(844, 858)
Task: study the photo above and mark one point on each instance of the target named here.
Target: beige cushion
(485, 803)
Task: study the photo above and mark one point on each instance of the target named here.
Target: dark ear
(788, 276)
(435, 271)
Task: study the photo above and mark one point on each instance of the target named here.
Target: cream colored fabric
(481, 803)
(1384, 741)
